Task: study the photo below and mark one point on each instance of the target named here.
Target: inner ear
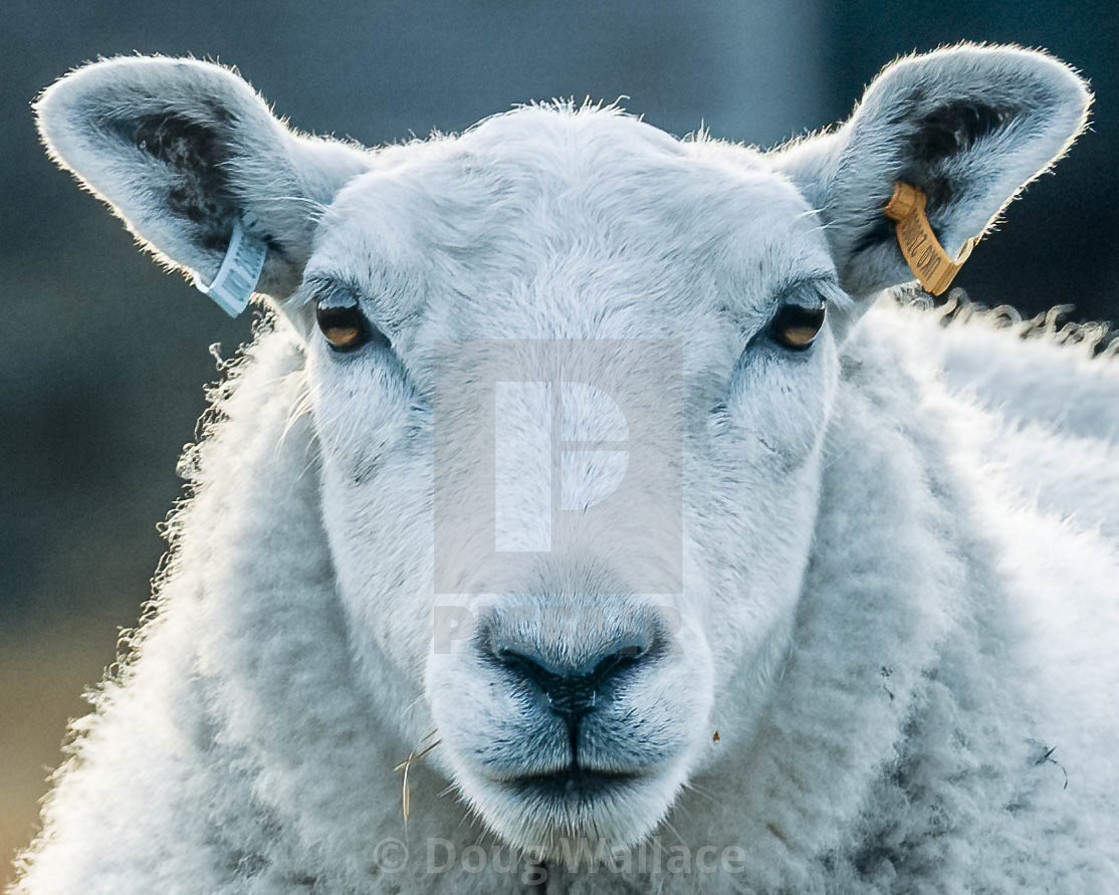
(935, 140)
(197, 158)
(957, 126)
(945, 133)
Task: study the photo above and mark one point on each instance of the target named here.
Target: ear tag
(239, 272)
(930, 264)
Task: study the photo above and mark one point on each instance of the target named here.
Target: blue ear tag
(239, 272)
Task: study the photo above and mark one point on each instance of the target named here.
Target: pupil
(796, 327)
(346, 328)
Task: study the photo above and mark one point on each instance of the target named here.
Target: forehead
(596, 223)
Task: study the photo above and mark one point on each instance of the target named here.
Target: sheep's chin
(537, 816)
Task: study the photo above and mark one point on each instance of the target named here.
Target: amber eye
(346, 328)
(796, 326)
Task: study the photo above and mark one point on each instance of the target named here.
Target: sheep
(790, 609)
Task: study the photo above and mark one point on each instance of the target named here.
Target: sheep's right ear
(184, 151)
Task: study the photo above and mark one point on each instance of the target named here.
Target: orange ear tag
(922, 250)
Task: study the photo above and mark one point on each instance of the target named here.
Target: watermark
(557, 451)
(533, 865)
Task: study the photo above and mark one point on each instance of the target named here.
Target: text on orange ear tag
(922, 250)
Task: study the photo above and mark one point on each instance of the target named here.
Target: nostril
(526, 667)
(571, 690)
(619, 661)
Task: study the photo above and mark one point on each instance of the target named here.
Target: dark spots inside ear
(196, 158)
(941, 135)
(954, 128)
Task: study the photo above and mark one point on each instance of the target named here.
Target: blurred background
(103, 358)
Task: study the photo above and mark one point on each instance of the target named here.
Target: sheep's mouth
(573, 785)
(539, 809)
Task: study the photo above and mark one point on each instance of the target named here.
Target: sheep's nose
(572, 689)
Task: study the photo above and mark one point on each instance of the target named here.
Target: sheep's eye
(796, 326)
(345, 328)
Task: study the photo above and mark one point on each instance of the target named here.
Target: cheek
(754, 515)
(376, 474)
(777, 408)
(380, 539)
(362, 408)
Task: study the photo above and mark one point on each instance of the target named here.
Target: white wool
(897, 602)
(244, 704)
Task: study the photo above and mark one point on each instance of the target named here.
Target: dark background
(103, 357)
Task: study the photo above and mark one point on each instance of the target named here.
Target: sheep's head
(570, 380)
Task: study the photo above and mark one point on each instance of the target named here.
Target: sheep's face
(571, 657)
(570, 379)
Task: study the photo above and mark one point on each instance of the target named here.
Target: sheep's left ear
(185, 152)
(969, 126)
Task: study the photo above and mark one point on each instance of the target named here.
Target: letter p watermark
(558, 451)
